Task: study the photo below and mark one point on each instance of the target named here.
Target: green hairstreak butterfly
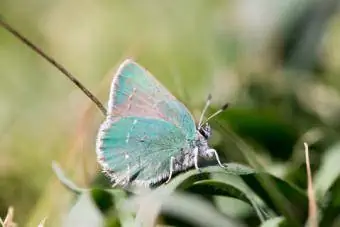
(148, 134)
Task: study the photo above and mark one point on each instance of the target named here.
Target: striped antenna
(223, 108)
(207, 104)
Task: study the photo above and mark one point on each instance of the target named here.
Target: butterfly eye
(205, 131)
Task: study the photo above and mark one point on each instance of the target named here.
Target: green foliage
(197, 199)
(275, 62)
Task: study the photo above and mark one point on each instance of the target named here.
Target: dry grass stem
(312, 207)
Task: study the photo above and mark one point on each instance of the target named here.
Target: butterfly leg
(213, 152)
(196, 158)
(172, 162)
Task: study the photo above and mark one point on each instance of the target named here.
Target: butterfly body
(148, 134)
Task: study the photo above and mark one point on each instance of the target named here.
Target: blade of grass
(65, 181)
(280, 201)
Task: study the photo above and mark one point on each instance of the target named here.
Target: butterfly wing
(145, 126)
(139, 147)
(135, 92)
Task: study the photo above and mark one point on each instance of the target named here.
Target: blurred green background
(277, 63)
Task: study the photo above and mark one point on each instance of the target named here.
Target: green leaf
(280, 196)
(216, 181)
(110, 202)
(195, 211)
(233, 207)
(103, 199)
(179, 205)
(188, 178)
(328, 172)
(331, 206)
(84, 213)
(274, 222)
(229, 186)
(284, 198)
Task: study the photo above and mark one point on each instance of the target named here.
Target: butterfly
(148, 135)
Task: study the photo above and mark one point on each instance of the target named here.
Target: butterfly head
(203, 126)
(205, 130)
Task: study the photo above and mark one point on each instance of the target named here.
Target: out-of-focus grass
(234, 49)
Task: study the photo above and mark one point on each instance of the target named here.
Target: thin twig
(312, 207)
(54, 63)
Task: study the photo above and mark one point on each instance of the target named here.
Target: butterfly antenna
(54, 63)
(207, 104)
(223, 108)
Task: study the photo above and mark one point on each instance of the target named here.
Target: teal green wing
(136, 93)
(140, 148)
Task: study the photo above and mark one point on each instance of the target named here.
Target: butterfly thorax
(202, 145)
(187, 157)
